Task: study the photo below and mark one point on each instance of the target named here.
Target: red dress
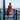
(9, 9)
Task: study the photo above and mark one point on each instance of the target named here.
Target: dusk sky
(15, 3)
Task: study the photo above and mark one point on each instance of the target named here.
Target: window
(1, 9)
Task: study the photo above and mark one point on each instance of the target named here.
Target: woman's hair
(9, 3)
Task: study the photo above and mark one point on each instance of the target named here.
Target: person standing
(9, 9)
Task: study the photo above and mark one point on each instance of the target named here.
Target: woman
(9, 9)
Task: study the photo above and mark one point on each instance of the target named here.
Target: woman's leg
(8, 16)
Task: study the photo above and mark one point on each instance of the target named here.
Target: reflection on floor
(9, 18)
